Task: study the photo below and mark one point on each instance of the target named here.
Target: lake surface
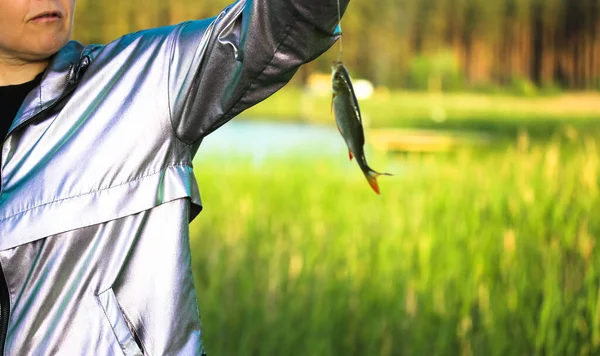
(259, 140)
(260, 143)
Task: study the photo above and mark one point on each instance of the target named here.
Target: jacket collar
(62, 72)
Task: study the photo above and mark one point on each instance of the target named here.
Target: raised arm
(222, 66)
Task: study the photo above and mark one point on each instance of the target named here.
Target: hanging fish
(349, 121)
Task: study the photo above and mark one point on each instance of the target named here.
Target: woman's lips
(46, 17)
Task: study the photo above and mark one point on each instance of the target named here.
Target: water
(259, 140)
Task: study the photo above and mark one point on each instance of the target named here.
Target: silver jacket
(97, 180)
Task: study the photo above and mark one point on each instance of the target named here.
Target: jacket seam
(171, 49)
(291, 24)
(131, 332)
(94, 191)
(108, 320)
(169, 55)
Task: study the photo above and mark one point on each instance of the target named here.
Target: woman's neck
(16, 71)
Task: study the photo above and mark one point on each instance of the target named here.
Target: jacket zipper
(63, 93)
(4, 297)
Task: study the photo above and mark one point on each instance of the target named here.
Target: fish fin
(332, 99)
(371, 176)
(350, 154)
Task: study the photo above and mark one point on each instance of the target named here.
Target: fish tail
(371, 176)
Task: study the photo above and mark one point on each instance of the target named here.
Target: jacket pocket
(114, 314)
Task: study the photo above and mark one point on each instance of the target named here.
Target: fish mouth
(46, 15)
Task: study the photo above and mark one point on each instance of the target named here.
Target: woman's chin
(53, 44)
(46, 47)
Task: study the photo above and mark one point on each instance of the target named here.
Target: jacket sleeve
(222, 66)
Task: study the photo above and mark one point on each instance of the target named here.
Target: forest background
(420, 44)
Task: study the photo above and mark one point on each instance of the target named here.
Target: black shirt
(11, 98)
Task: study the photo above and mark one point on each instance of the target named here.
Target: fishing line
(341, 34)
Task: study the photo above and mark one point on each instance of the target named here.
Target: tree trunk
(537, 47)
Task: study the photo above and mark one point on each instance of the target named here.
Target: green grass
(501, 115)
(470, 253)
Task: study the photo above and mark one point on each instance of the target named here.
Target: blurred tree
(494, 42)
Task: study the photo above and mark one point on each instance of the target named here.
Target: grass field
(467, 253)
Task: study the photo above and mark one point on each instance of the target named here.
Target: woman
(97, 181)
